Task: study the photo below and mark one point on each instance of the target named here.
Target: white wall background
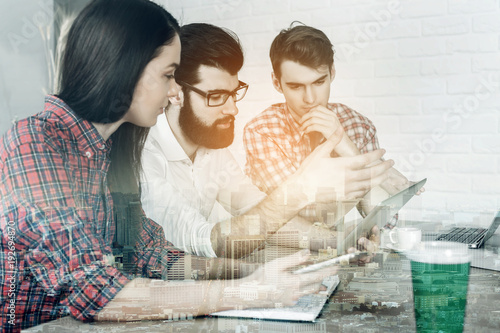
(427, 73)
(23, 66)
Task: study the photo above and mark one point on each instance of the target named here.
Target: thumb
(324, 149)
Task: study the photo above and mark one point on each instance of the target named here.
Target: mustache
(224, 120)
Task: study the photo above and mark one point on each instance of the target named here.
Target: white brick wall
(426, 72)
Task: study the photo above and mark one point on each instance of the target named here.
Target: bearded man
(187, 169)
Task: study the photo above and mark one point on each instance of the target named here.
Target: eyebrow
(301, 84)
(216, 91)
(173, 65)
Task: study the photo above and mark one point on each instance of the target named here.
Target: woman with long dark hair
(57, 223)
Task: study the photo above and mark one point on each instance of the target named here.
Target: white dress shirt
(180, 194)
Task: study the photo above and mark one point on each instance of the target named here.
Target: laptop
(484, 243)
(484, 248)
(472, 236)
(308, 307)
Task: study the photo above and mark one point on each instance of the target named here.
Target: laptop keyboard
(471, 236)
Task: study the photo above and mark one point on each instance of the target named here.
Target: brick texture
(427, 73)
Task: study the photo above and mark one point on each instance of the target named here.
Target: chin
(151, 123)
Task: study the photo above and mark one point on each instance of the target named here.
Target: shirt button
(101, 147)
(88, 154)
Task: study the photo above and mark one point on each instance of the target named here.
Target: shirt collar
(85, 134)
(294, 125)
(169, 145)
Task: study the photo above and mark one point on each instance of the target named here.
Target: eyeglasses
(220, 96)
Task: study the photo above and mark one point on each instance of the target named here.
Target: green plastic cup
(440, 276)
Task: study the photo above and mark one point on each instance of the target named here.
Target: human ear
(276, 83)
(332, 73)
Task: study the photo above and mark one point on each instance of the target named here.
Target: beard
(208, 136)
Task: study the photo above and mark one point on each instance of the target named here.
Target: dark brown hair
(303, 44)
(209, 45)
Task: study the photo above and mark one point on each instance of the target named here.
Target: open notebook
(307, 308)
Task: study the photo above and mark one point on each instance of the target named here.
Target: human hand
(285, 287)
(320, 119)
(346, 178)
(397, 182)
(367, 243)
(321, 122)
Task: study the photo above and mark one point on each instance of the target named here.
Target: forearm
(377, 194)
(346, 147)
(159, 300)
(270, 215)
(200, 298)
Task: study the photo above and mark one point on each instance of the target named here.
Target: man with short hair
(280, 139)
(186, 167)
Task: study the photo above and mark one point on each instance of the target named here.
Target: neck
(187, 145)
(106, 130)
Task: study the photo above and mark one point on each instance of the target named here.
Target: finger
(367, 245)
(321, 128)
(318, 111)
(365, 160)
(308, 289)
(292, 260)
(349, 195)
(318, 276)
(373, 171)
(351, 250)
(358, 188)
(325, 120)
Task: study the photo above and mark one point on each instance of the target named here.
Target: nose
(230, 107)
(173, 89)
(308, 95)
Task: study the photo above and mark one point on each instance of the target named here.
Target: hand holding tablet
(315, 267)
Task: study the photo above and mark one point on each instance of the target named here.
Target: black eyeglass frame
(225, 93)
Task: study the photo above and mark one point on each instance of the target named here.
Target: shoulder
(349, 116)
(41, 137)
(31, 131)
(270, 120)
(151, 144)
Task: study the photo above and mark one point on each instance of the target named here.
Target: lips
(224, 123)
(308, 108)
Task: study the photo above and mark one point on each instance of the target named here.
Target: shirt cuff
(202, 245)
(93, 288)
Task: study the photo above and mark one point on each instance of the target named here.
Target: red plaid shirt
(275, 147)
(57, 222)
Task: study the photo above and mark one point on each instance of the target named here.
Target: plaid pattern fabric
(57, 222)
(275, 147)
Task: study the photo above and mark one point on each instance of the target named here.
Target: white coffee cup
(405, 238)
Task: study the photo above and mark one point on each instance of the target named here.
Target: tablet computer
(381, 214)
